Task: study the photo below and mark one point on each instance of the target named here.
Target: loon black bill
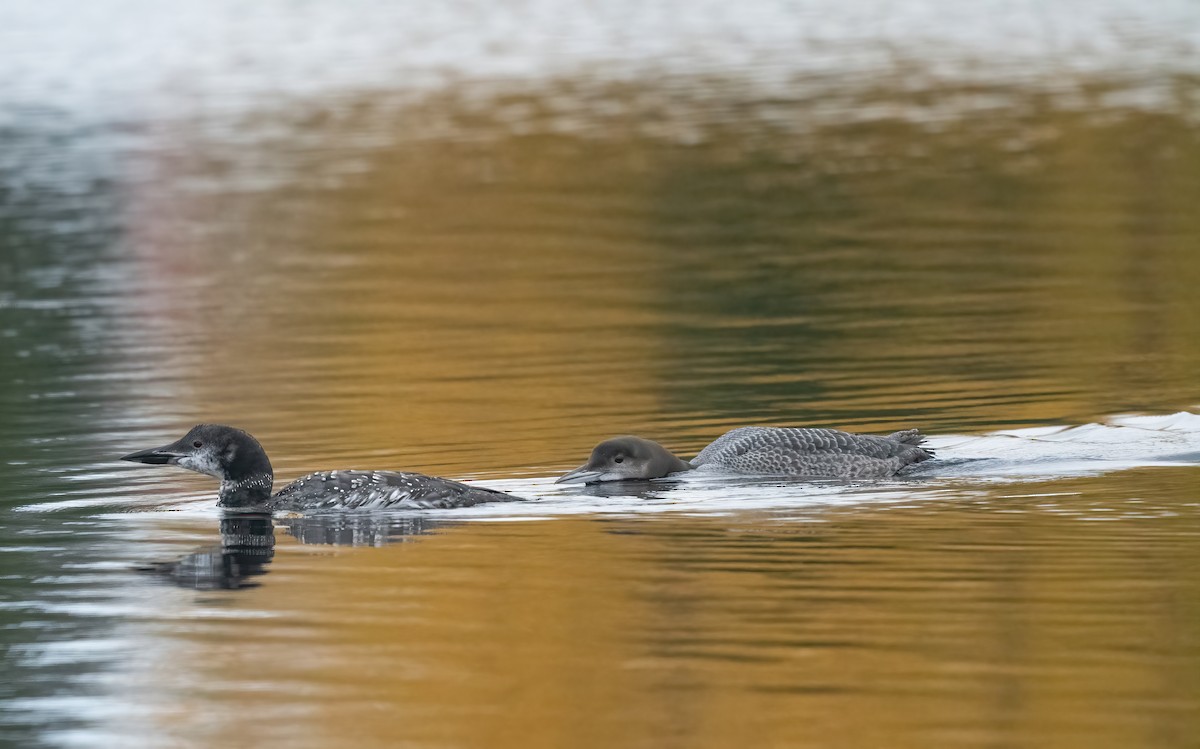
(155, 456)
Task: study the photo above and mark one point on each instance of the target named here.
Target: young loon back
(792, 451)
(239, 461)
(768, 451)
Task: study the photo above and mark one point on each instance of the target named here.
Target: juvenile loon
(240, 462)
(768, 451)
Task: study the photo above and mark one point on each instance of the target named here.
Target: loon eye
(197, 443)
(619, 459)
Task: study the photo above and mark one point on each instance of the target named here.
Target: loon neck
(246, 474)
(679, 464)
(665, 462)
(245, 492)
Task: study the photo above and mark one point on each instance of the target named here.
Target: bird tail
(911, 437)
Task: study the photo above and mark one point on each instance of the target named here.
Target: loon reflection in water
(239, 461)
(360, 529)
(248, 544)
(762, 451)
(247, 547)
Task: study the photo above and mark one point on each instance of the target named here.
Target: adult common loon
(769, 451)
(240, 462)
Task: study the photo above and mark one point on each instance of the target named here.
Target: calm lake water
(474, 239)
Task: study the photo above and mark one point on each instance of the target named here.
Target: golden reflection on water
(406, 313)
(1054, 615)
(492, 302)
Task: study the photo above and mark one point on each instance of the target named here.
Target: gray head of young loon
(764, 451)
(623, 458)
(240, 463)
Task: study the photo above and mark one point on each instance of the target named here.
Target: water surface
(473, 241)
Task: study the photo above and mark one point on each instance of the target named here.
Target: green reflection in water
(1023, 265)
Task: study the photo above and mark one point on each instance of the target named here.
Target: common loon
(240, 462)
(770, 451)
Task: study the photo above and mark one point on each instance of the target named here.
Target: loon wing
(793, 451)
(380, 490)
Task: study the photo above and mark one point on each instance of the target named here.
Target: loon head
(622, 458)
(223, 452)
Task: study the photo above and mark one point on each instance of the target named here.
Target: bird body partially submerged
(241, 464)
(763, 451)
(793, 451)
(367, 490)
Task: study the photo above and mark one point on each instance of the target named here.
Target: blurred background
(472, 239)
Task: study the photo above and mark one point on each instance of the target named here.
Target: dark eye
(619, 459)
(197, 443)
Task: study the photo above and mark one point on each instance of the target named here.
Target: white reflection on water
(127, 59)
